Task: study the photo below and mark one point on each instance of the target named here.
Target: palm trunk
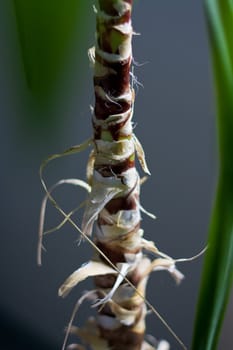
(118, 230)
(118, 224)
(113, 204)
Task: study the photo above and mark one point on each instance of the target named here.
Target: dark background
(175, 118)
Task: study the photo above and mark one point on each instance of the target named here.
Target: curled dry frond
(92, 268)
(75, 182)
(99, 197)
(141, 155)
(48, 192)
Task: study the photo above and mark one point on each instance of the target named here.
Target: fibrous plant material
(120, 266)
(114, 198)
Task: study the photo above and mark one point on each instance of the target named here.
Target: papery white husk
(116, 150)
(122, 223)
(92, 268)
(125, 316)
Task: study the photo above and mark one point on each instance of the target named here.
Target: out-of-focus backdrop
(175, 121)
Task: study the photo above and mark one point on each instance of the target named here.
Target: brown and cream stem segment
(120, 321)
(113, 205)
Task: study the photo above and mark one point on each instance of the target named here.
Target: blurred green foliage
(47, 29)
(218, 266)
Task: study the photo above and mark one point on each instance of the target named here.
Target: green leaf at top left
(46, 29)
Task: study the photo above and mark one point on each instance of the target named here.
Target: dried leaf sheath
(115, 179)
(114, 199)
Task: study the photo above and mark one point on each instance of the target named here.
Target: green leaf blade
(46, 30)
(218, 267)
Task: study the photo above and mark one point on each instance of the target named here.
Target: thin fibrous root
(68, 218)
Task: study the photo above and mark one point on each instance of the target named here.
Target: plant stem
(119, 266)
(118, 224)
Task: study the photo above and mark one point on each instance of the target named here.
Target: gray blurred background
(174, 114)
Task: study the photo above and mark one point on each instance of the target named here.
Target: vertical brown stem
(118, 224)
(119, 266)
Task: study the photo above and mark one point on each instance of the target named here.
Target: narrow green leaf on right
(218, 265)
